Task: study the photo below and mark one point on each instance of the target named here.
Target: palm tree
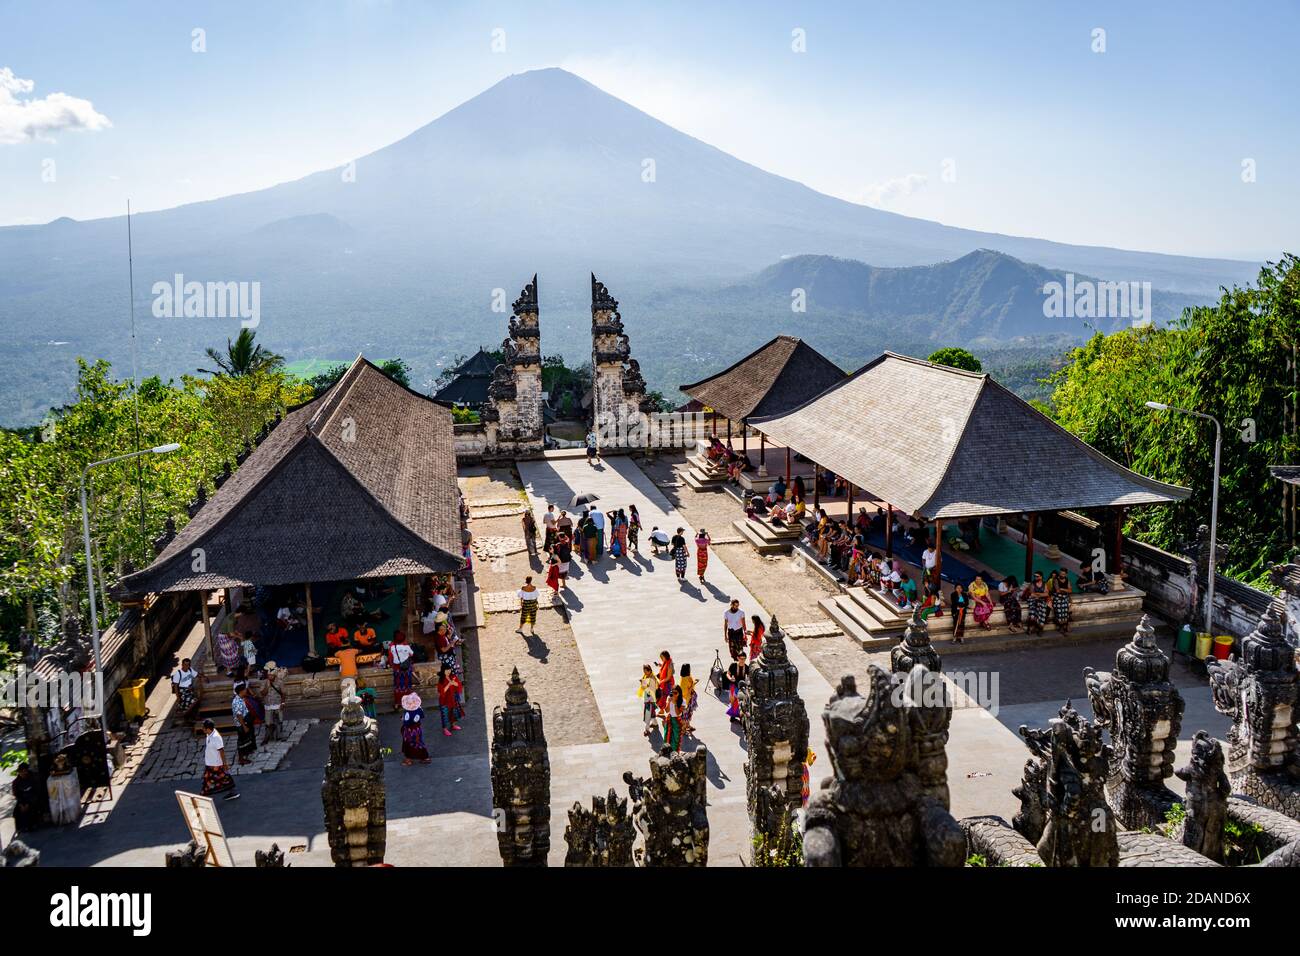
(243, 357)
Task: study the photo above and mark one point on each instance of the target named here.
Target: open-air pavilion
(357, 485)
(773, 379)
(959, 453)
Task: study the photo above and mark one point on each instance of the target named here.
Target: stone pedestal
(601, 836)
(671, 809)
(353, 790)
(521, 779)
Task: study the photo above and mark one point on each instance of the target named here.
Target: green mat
(1007, 557)
(392, 603)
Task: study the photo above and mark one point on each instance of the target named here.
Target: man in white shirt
(185, 684)
(928, 557)
(733, 629)
(548, 526)
(216, 776)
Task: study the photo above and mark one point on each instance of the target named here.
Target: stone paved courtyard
(582, 671)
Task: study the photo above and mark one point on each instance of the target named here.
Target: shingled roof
(358, 483)
(1288, 473)
(947, 443)
(772, 379)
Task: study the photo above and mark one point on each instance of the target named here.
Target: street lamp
(90, 566)
(1214, 501)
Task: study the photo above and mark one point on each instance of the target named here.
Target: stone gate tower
(617, 387)
(513, 415)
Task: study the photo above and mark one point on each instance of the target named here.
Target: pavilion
(942, 444)
(773, 379)
(357, 484)
(469, 385)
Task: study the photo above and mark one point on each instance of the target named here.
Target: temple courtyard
(582, 669)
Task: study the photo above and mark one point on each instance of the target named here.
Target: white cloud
(24, 118)
(891, 190)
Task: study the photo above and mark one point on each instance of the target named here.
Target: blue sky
(1140, 146)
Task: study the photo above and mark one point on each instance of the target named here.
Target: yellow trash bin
(132, 694)
(1204, 645)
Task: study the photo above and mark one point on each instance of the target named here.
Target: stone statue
(1143, 711)
(521, 779)
(186, 857)
(272, 859)
(1259, 692)
(353, 790)
(1068, 789)
(886, 803)
(1207, 797)
(601, 836)
(776, 727)
(670, 808)
(915, 648)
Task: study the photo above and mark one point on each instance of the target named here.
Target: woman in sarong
(413, 730)
(228, 652)
(736, 672)
(667, 680)
(981, 602)
(553, 573)
(245, 727)
(633, 527)
(1036, 597)
(960, 604)
(673, 720)
(591, 540)
(648, 690)
(679, 554)
(701, 553)
(756, 637)
(400, 655)
(690, 699)
(618, 535)
(1061, 601)
(1010, 591)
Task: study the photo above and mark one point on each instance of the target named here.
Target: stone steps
(765, 538)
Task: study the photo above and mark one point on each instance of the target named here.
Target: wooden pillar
(1118, 568)
(713, 419)
(787, 466)
(311, 621)
(817, 486)
(744, 438)
(762, 455)
(889, 530)
(1029, 547)
(210, 663)
(850, 484)
(938, 550)
(728, 433)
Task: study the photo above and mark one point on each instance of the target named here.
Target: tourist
(690, 699)
(445, 642)
(449, 697)
(1093, 581)
(1010, 598)
(553, 573)
(1036, 598)
(249, 651)
(981, 602)
(548, 526)
(959, 602)
(245, 724)
(27, 798)
(701, 553)
(756, 508)
(733, 629)
(593, 453)
(673, 720)
(805, 791)
(666, 680)
(216, 772)
(648, 691)
(756, 634)
(365, 638)
(678, 552)
(530, 530)
(1062, 601)
(400, 660)
(598, 520)
(185, 685)
(563, 554)
(413, 747)
(528, 607)
(367, 698)
(347, 658)
(617, 534)
(906, 591)
(273, 701)
(229, 656)
(564, 525)
(592, 536)
(736, 674)
(929, 559)
(633, 528)
(933, 603)
(658, 540)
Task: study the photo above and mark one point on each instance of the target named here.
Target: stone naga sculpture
(601, 836)
(886, 802)
(1143, 711)
(1207, 797)
(670, 808)
(521, 779)
(353, 790)
(1063, 794)
(1259, 692)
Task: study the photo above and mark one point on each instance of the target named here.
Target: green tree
(243, 356)
(954, 357)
